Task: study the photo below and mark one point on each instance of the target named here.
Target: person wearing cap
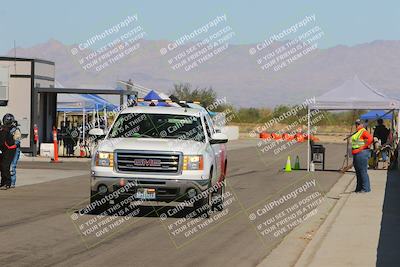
(360, 142)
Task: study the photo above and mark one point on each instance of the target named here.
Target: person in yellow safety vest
(360, 142)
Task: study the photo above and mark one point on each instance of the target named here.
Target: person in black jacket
(381, 132)
(8, 148)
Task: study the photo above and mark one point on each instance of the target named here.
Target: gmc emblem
(147, 162)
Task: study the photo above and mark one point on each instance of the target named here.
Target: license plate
(145, 193)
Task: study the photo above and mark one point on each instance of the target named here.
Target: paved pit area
(34, 176)
(38, 227)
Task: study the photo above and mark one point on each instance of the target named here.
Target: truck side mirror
(218, 138)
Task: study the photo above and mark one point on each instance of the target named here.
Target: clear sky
(345, 22)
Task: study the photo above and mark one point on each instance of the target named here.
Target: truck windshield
(145, 125)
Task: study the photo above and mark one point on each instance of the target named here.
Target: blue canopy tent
(152, 95)
(375, 114)
(76, 103)
(84, 103)
(101, 102)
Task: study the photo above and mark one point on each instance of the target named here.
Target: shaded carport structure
(44, 112)
(353, 94)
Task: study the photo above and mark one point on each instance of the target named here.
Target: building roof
(39, 60)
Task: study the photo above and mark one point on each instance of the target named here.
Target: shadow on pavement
(388, 253)
(153, 211)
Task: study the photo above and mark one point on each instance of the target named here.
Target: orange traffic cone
(276, 136)
(81, 152)
(300, 137)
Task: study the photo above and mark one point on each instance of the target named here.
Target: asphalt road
(36, 228)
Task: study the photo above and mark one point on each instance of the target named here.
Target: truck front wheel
(218, 197)
(204, 204)
(97, 203)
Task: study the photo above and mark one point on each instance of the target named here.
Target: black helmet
(8, 119)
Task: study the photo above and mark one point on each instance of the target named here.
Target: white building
(18, 78)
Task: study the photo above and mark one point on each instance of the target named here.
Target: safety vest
(356, 141)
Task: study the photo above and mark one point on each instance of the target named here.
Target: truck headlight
(104, 159)
(194, 162)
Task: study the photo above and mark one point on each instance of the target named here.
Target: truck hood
(188, 147)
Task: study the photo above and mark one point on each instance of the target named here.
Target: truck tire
(94, 196)
(218, 198)
(203, 205)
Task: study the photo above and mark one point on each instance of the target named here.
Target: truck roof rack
(182, 103)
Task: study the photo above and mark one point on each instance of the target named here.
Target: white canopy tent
(83, 103)
(353, 94)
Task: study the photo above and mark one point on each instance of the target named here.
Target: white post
(98, 117)
(398, 125)
(105, 117)
(83, 126)
(65, 125)
(308, 139)
(93, 117)
(398, 136)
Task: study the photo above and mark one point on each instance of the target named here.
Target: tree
(184, 91)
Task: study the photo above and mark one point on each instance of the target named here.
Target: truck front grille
(148, 162)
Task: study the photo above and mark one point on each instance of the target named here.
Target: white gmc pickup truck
(164, 154)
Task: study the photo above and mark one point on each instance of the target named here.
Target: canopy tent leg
(308, 139)
(105, 118)
(392, 124)
(347, 159)
(93, 118)
(83, 125)
(98, 116)
(398, 125)
(398, 138)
